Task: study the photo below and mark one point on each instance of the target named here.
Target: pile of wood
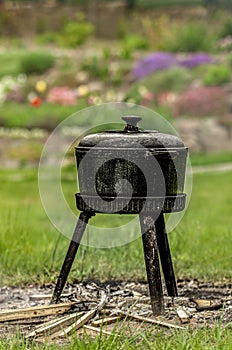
(107, 310)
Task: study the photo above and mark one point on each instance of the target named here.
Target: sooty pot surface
(131, 163)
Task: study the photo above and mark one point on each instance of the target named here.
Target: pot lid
(131, 137)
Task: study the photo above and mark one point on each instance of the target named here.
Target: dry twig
(84, 319)
(35, 311)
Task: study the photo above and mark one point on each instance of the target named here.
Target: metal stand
(70, 256)
(165, 256)
(155, 244)
(150, 247)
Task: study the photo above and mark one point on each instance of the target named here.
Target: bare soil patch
(198, 305)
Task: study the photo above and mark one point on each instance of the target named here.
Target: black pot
(131, 164)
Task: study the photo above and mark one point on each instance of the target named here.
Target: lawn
(207, 339)
(32, 250)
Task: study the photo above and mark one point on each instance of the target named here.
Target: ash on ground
(199, 304)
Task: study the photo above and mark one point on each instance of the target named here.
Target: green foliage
(132, 43)
(157, 30)
(230, 59)
(36, 62)
(46, 38)
(135, 42)
(47, 116)
(76, 32)
(216, 75)
(106, 69)
(72, 34)
(21, 61)
(226, 28)
(96, 67)
(173, 79)
(10, 63)
(189, 37)
(122, 28)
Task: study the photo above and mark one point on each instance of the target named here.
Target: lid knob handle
(131, 122)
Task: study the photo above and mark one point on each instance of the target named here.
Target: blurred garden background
(57, 57)
(60, 56)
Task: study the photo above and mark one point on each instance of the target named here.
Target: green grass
(201, 244)
(210, 158)
(208, 339)
(47, 115)
(14, 62)
(10, 63)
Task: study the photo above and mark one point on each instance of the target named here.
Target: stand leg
(70, 256)
(165, 256)
(149, 236)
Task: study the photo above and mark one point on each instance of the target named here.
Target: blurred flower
(21, 78)
(110, 96)
(62, 95)
(142, 90)
(202, 101)
(152, 63)
(31, 96)
(131, 100)
(163, 60)
(16, 95)
(82, 90)
(94, 100)
(8, 82)
(36, 101)
(167, 97)
(82, 76)
(11, 89)
(226, 43)
(114, 67)
(195, 59)
(149, 96)
(41, 86)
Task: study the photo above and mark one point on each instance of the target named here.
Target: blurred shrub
(189, 37)
(226, 28)
(122, 28)
(36, 62)
(10, 63)
(151, 63)
(135, 42)
(174, 79)
(156, 30)
(105, 68)
(202, 101)
(225, 43)
(96, 67)
(216, 75)
(165, 83)
(76, 32)
(195, 59)
(230, 59)
(46, 38)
